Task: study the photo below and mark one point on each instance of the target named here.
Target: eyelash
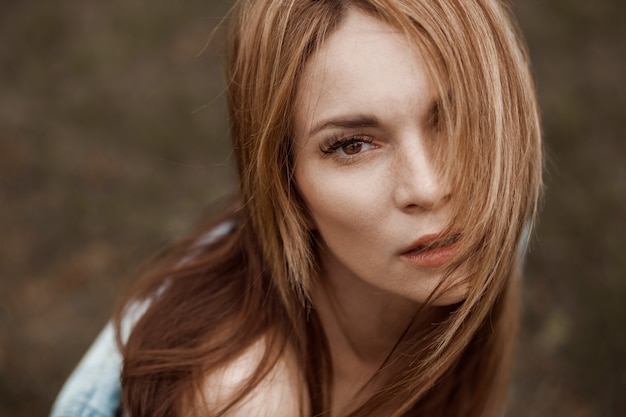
(331, 147)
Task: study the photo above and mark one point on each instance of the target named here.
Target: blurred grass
(572, 360)
(113, 140)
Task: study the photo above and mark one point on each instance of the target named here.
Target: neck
(362, 324)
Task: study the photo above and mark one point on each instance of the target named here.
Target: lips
(430, 242)
(431, 251)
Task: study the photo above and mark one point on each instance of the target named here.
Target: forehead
(366, 66)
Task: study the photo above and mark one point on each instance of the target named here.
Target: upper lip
(431, 241)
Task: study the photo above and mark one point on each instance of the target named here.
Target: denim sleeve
(522, 247)
(93, 389)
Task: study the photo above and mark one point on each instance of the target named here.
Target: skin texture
(370, 206)
(370, 196)
(280, 393)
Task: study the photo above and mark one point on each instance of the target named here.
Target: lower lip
(433, 258)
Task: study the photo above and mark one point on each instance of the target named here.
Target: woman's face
(363, 146)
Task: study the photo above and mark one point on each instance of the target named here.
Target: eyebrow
(348, 122)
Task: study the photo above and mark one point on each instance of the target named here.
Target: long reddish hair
(211, 299)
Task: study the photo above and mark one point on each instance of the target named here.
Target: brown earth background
(113, 141)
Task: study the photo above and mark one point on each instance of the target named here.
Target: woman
(389, 159)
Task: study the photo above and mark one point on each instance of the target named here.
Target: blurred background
(113, 141)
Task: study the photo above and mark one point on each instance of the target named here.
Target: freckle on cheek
(344, 211)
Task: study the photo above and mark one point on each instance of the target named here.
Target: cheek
(341, 202)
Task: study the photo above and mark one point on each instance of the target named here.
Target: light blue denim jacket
(93, 389)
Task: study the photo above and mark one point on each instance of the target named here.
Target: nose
(419, 186)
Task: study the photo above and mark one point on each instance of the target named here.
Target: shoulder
(280, 393)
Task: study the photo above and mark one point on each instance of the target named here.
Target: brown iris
(352, 148)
